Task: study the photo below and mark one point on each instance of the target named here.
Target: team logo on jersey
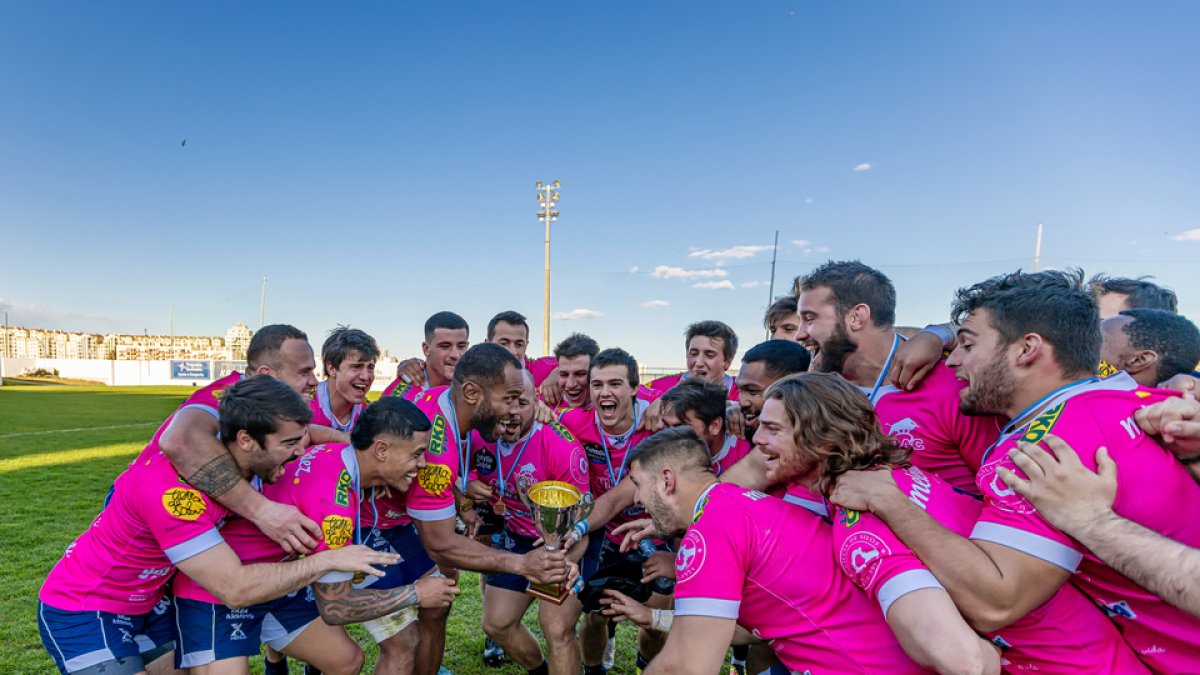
(1042, 425)
(595, 454)
(579, 469)
(402, 389)
(691, 554)
(1120, 609)
(562, 431)
(903, 432)
(700, 509)
(184, 503)
(859, 555)
(997, 491)
(341, 494)
(485, 461)
(338, 530)
(850, 517)
(437, 437)
(435, 478)
(1106, 369)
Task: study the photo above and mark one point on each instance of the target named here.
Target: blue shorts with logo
(403, 540)
(207, 632)
(102, 642)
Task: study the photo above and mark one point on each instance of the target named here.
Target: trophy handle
(523, 494)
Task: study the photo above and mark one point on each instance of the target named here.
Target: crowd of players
(1013, 491)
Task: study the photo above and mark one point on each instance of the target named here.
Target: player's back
(789, 588)
(943, 440)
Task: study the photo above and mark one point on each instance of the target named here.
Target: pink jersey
(447, 462)
(541, 368)
(1153, 489)
(548, 452)
(733, 450)
(607, 457)
(799, 494)
(656, 388)
(943, 440)
(409, 391)
(322, 484)
(1065, 635)
(207, 399)
(769, 566)
(121, 564)
(384, 509)
(322, 410)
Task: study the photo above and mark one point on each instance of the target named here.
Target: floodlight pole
(547, 197)
(1037, 251)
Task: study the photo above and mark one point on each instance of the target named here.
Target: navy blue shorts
(207, 632)
(404, 540)
(102, 642)
(513, 543)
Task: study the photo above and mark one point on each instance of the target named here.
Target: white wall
(113, 373)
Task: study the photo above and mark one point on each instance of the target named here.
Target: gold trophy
(554, 507)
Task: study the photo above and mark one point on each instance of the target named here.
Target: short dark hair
(267, 341)
(1175, 339)
(446, 320)
(703, 398)
(1052, 304)
(576, 344)
(257, 404)
(509, 317)
(677, 447)
(853, 283)
(713, 329)
(390, 415)
(343, 340)
(780, 357)
(1142, 294)
(615, 356)
(783, 307)
(484, 364)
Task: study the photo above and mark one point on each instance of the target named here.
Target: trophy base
(554, 593)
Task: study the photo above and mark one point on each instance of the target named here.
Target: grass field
(61, 448)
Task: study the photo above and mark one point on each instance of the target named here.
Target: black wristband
(1190, 460)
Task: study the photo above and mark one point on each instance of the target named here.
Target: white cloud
(578, 314)
(751, 284)
(1190, 235)
(655, 304)
(665, 272)
(51, 318)
(802, 243)
(731, 253)
(633, 270)
(808, 200)
(714, 285)
(865, 166)
(808, 248)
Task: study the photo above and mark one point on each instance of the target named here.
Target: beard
(835, 350)
(661, 515)
(990, 392)
(486, 422)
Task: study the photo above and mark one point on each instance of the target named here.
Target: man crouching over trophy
(538, 483)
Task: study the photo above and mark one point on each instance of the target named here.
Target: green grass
(61, 448)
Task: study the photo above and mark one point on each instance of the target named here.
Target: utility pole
(1037, 251)
(262, 303)
(547, 197)
(771, 287)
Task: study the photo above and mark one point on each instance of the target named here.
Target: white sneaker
(610, 653)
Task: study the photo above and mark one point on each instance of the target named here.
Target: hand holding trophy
(554, 507)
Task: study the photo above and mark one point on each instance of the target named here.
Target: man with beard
(349, 355)
(849, 309)
(528, 452)
(1027, 350)
(1152, 345)
(484, 390)
(751, 560)
(447, 337)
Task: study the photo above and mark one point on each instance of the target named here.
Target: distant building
(237, 341)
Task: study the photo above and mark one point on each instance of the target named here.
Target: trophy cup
(554, 507)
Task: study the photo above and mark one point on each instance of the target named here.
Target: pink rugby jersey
(121, 564)
(541, 368)
(799, 494)
(207, 399)
(447, 463)
(653, 390)
(1067, 634)
(409, 391)
(321, 484)
(1153, 489)
(548, 452)
(770, 567)
(731, 452)
(943, 440)
(607, 457)
(322, 410)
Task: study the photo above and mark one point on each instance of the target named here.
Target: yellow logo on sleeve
(435, 478)
(338, 530)
(184, 503)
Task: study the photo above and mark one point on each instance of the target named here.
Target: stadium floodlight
(547, 197)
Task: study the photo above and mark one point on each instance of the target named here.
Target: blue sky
(377, 161)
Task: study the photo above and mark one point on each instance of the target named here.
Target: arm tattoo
(340, 603)
(217, 477)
